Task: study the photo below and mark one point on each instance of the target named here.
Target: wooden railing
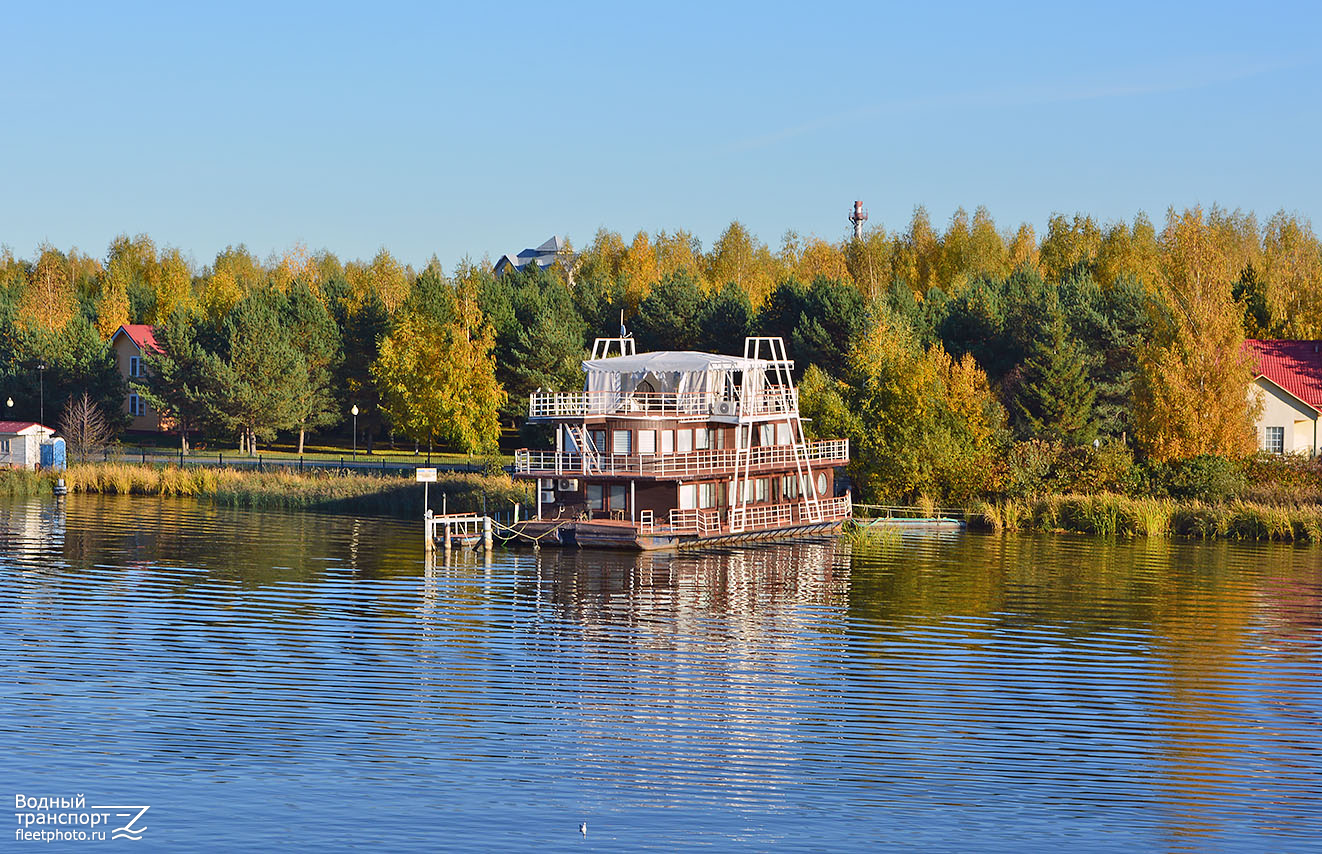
(577, 404)
(723, 460)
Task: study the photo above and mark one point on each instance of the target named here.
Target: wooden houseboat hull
(606, 534)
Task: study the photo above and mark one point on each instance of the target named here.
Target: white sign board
(426, 475)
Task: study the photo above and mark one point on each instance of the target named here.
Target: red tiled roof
(141, 335)
(1295, 366)
(14, 427)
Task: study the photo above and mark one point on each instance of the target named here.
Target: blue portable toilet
(52, 455)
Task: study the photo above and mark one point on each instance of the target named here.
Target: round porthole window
(821, 483)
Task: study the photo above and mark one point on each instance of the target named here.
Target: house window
(684, 441)
(621, 442)
(595, 501)
(647, 441)
(1274, 440)
(4, 447)
(137, 406)
(135, 366)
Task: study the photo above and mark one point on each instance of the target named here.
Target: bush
(1202, 478)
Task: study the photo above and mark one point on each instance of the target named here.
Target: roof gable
(22, 428)
(1295, 366)
(141, 334)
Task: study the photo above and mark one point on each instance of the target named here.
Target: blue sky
(458, 130)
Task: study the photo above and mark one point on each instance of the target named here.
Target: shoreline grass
(1111, 515)
(328, 491)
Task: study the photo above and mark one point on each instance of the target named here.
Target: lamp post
(354, 412)
(41, 383)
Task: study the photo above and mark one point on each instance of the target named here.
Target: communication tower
(858, 217)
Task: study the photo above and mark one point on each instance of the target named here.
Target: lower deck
(690, 527)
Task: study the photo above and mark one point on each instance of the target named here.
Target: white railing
(578, 404)
(700, 522)
(758, 517)
(825, 451)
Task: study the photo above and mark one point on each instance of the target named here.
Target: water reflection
(921, 693)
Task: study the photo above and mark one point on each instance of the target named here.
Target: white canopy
(669, 372)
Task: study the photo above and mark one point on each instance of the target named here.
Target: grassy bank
(1117, 515)
(329, 491)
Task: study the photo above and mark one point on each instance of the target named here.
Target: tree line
(939, 352)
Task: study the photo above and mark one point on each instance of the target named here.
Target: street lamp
(354, 412)
(41, 381)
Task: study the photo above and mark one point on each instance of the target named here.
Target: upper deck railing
(775, 400)
(716, 461)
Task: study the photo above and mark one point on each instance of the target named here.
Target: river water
(265, 678)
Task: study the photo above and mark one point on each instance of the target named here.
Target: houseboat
(670, 449)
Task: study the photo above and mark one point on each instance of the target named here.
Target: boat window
(763, 491)
(767, 433)
(647, 441)
(667, 442)
(701, 439)
(688, 496)
(621, 442)
(707, 494)
(684, 441)
(594, 497)
(783, 434)
(619, 497)
(598, 441)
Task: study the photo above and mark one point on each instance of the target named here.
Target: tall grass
(1117, 515)
(326, 490)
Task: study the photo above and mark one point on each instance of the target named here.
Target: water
(305, 680)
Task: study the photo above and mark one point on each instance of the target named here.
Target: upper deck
(683, 385)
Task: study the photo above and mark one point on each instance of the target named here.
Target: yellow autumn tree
(1129, 251)
(820, 258)
(738, 257)
(954, 265)
(173, 285)
(1291, 271)
(384, 276)
(297, 265)
(917, 252)
(438, 380)
(1191, 392)
(235, 273)
(988, 255)
(1023, 250)
(869, 261)
(638, 269)
(675, 253)
(1068, 244)
(112, 307)
(48, 299)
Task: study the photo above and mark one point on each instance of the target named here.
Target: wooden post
(486, 532)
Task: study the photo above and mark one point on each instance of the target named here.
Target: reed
(865, 536)
(291, 490)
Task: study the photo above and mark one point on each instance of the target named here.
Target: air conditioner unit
(568, 484)
(723, 407)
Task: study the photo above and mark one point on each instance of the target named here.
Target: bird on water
(583, 828)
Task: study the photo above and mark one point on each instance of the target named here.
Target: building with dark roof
(543, 256)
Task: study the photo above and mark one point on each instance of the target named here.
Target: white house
(1288, 381)
(20, 443)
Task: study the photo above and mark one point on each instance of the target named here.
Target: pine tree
(1054, 397)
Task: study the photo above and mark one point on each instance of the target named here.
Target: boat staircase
(772, 351)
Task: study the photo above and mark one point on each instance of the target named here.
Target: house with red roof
(1288, 381)
(20, 443)
(131, 342)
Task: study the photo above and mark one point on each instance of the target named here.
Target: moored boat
(675, 448)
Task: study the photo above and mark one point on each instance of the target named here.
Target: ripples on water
(264, 678)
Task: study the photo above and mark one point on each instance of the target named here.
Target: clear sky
(473, 128)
